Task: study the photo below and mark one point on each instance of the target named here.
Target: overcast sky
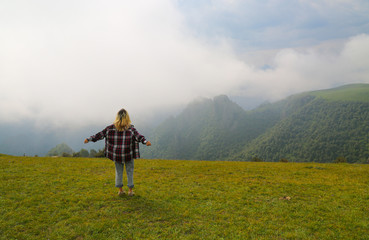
(79, 62)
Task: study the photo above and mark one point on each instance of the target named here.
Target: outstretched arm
(139, 138)
(98, 136)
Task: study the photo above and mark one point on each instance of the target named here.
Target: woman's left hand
(86, 141)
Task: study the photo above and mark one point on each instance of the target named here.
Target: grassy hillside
(315, 126)
(209, 129)
(353, 92)
(75, 198)
(319, 131)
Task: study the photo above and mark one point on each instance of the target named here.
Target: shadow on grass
(147, 217)
(143, 205)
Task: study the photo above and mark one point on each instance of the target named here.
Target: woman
(121, 146)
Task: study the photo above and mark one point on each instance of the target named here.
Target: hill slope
(314, 126)
(331, 123)
(209, 129)
(320, 131)
(350, 93)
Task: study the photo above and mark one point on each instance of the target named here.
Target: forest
(318, 126)
(321, 126)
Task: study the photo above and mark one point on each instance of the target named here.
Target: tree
(100, 153)
(66, 154)
(84, 153)
(93, 153)
(76, 154)
(340, 159)
(256, 159)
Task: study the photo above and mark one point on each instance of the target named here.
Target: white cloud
(136, 55)
(80, 62)
(299, 70)
(271, 24)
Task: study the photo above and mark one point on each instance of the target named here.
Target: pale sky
(78, 62)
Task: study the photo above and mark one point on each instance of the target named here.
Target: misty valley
(321, 126)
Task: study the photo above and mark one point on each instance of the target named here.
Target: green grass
(353, 92)
(75, 198)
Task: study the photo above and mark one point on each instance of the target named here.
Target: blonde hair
(122, 121)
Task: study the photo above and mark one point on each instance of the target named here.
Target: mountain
(29, 138)
(208, 129)
(60, 149)
(329, 124)
(313, 126)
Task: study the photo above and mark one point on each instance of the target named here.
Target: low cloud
(74, 64)
(298, 70)
(83, 65)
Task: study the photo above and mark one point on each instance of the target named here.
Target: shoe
(121, 193)
(131, 194)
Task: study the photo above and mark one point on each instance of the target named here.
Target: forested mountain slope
(209, 129)
(315, 126)
(321, 131)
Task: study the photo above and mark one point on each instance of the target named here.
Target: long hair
(122, 121)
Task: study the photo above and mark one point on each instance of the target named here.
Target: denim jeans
(119, 173)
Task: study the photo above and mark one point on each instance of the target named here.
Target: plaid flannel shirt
(120, 145)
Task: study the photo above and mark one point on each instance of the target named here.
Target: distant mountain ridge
(313, 126)
(207, 130)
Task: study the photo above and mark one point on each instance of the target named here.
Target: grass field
(353, 92)
(75, 198)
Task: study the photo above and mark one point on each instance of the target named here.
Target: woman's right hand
(148, 143)
(86, 141)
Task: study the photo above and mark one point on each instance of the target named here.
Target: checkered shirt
(120, 145)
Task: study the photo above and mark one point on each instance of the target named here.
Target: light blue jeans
(119, 173)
